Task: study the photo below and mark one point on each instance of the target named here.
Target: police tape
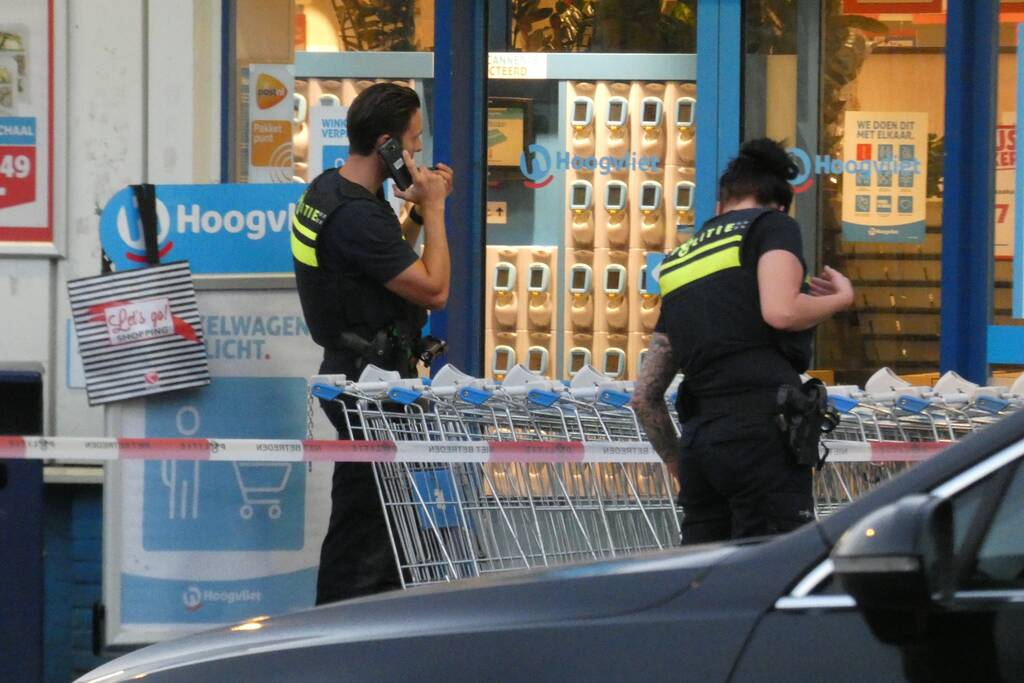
(296, 450)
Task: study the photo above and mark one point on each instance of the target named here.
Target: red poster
(26, 121)
(17, 175)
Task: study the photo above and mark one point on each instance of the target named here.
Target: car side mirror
(895, 562)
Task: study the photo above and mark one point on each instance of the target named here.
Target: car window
(999, 563)
(1000, 560)
(965, 506)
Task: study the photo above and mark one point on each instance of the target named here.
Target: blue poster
(193, 505)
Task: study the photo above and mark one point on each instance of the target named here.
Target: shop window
(586, 177)
(272, 32)
(870, 198)
(1005, 190)
(645, 26)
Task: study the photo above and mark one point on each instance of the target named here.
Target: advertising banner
(219, 229)
(885, 167)
(26, 121)
(271, 110)
(207, 543)
(139, 332)
(328, 138)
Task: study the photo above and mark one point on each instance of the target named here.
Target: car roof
(929, 474)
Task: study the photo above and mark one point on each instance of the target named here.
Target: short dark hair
(762, 170)
(381, 109)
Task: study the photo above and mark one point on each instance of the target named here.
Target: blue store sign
(219, 229)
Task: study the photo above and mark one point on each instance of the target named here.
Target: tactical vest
(716, 248)
(712, 315)
(334, 300)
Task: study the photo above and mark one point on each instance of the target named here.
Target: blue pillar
(460, 119)
(972, 41)
(719, 84)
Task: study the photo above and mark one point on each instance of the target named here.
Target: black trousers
(737, 480)
(356, 556)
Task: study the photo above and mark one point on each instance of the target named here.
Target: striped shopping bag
(139, 332)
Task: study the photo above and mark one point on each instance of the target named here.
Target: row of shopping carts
(890, 409)
(469, 516)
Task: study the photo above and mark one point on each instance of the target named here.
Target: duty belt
(757, 402)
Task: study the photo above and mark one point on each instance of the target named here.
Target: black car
(922, 579)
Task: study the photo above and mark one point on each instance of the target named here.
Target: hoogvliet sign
(139, 332)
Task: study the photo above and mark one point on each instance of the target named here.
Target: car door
(977, 633)
(979, 630)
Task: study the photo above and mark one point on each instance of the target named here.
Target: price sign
(17, 161)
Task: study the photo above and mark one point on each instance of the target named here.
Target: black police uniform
(346, 243)
(736, 476)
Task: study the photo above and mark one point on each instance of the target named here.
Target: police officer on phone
(736, 320)
(364, 292)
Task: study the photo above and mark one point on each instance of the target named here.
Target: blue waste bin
(21, 528)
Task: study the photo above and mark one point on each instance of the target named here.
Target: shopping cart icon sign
(261, 483)
(439, 503)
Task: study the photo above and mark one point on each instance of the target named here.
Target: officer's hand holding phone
(429, 188)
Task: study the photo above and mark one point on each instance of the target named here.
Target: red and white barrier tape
(289, 450)
(883, 451)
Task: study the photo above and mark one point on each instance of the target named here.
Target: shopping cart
(471, 517)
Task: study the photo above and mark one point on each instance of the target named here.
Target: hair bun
(771, 156)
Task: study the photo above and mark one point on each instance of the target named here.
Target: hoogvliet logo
(194, 597)
(134, 240)
(195, 219)
(269, 91)
(825, 164)
(537, 164)
(537, 171)
(217, 228)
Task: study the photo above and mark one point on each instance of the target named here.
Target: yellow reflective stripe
(303, 253)
(700, 250)
(722, 260)
(303, 230)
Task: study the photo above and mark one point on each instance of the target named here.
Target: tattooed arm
(657, 373)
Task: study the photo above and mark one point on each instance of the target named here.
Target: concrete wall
(137, 99)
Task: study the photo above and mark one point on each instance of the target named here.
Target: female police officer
(736, 320)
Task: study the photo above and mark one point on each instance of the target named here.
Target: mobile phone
(391, 153)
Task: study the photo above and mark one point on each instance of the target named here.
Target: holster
(391, 348)
(378, 350)
(804, 416)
